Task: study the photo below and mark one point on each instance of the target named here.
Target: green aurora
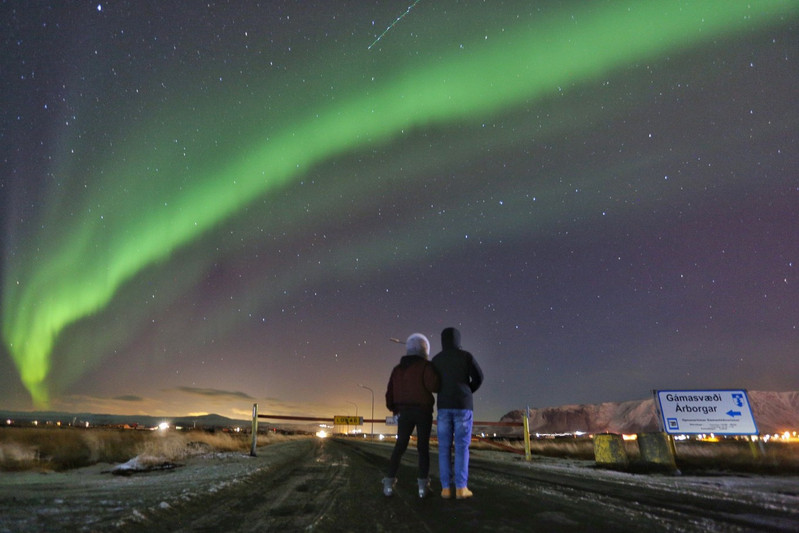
(75, 265)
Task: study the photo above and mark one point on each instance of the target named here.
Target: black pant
(422, 420)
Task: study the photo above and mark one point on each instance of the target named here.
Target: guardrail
(524, 424)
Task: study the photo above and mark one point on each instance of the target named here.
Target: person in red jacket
(410, 397)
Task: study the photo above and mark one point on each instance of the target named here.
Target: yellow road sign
(348, 420)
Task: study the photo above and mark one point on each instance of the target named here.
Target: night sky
(211, 204)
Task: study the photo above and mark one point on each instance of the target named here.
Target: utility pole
(373, 408)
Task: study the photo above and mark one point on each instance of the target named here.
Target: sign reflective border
(723, 412)
(348, 420)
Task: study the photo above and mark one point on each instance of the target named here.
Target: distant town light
(321, 433)
(163, 426)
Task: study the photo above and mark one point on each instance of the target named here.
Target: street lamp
(373, 407)
(356, 416)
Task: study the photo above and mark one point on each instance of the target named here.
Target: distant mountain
(93, 419)
(773, 411)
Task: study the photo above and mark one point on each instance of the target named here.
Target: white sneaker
(424, 487)
(388, 485)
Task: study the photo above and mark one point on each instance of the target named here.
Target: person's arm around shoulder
(432, 381)
(475, 374)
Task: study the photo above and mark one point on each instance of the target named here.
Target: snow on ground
(91, 498)
(771, 492)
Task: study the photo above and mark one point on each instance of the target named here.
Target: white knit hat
(417, 344)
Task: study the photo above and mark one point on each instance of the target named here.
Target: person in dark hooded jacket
(410, 396)
(460, 377)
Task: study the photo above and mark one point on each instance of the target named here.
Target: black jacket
(459, 371)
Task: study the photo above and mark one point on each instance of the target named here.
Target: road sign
(348, 420)
(723, 412)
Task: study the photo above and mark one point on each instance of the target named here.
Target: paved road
(334, 485)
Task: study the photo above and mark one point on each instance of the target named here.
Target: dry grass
(48, 449)
(739, 456)
(573, 448)
(728, 455)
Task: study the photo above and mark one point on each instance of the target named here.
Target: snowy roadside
(92, 498)
(779, 493)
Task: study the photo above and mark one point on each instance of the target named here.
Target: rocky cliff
(774, 412)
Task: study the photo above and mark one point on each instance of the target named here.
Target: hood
(408, 360)
(450, 339)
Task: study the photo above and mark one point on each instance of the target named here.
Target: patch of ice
(142, 464)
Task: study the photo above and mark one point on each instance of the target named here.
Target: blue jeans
(457, 424)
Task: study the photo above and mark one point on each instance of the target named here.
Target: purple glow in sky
(208, 206)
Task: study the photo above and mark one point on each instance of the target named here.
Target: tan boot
(462, 494)
(446, 493)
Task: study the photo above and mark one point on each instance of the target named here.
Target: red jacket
(412, 384)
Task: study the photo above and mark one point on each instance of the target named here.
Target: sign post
(526, 421)
(722, 412)
(254, 429)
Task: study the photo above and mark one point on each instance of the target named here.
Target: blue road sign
(723, 412)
